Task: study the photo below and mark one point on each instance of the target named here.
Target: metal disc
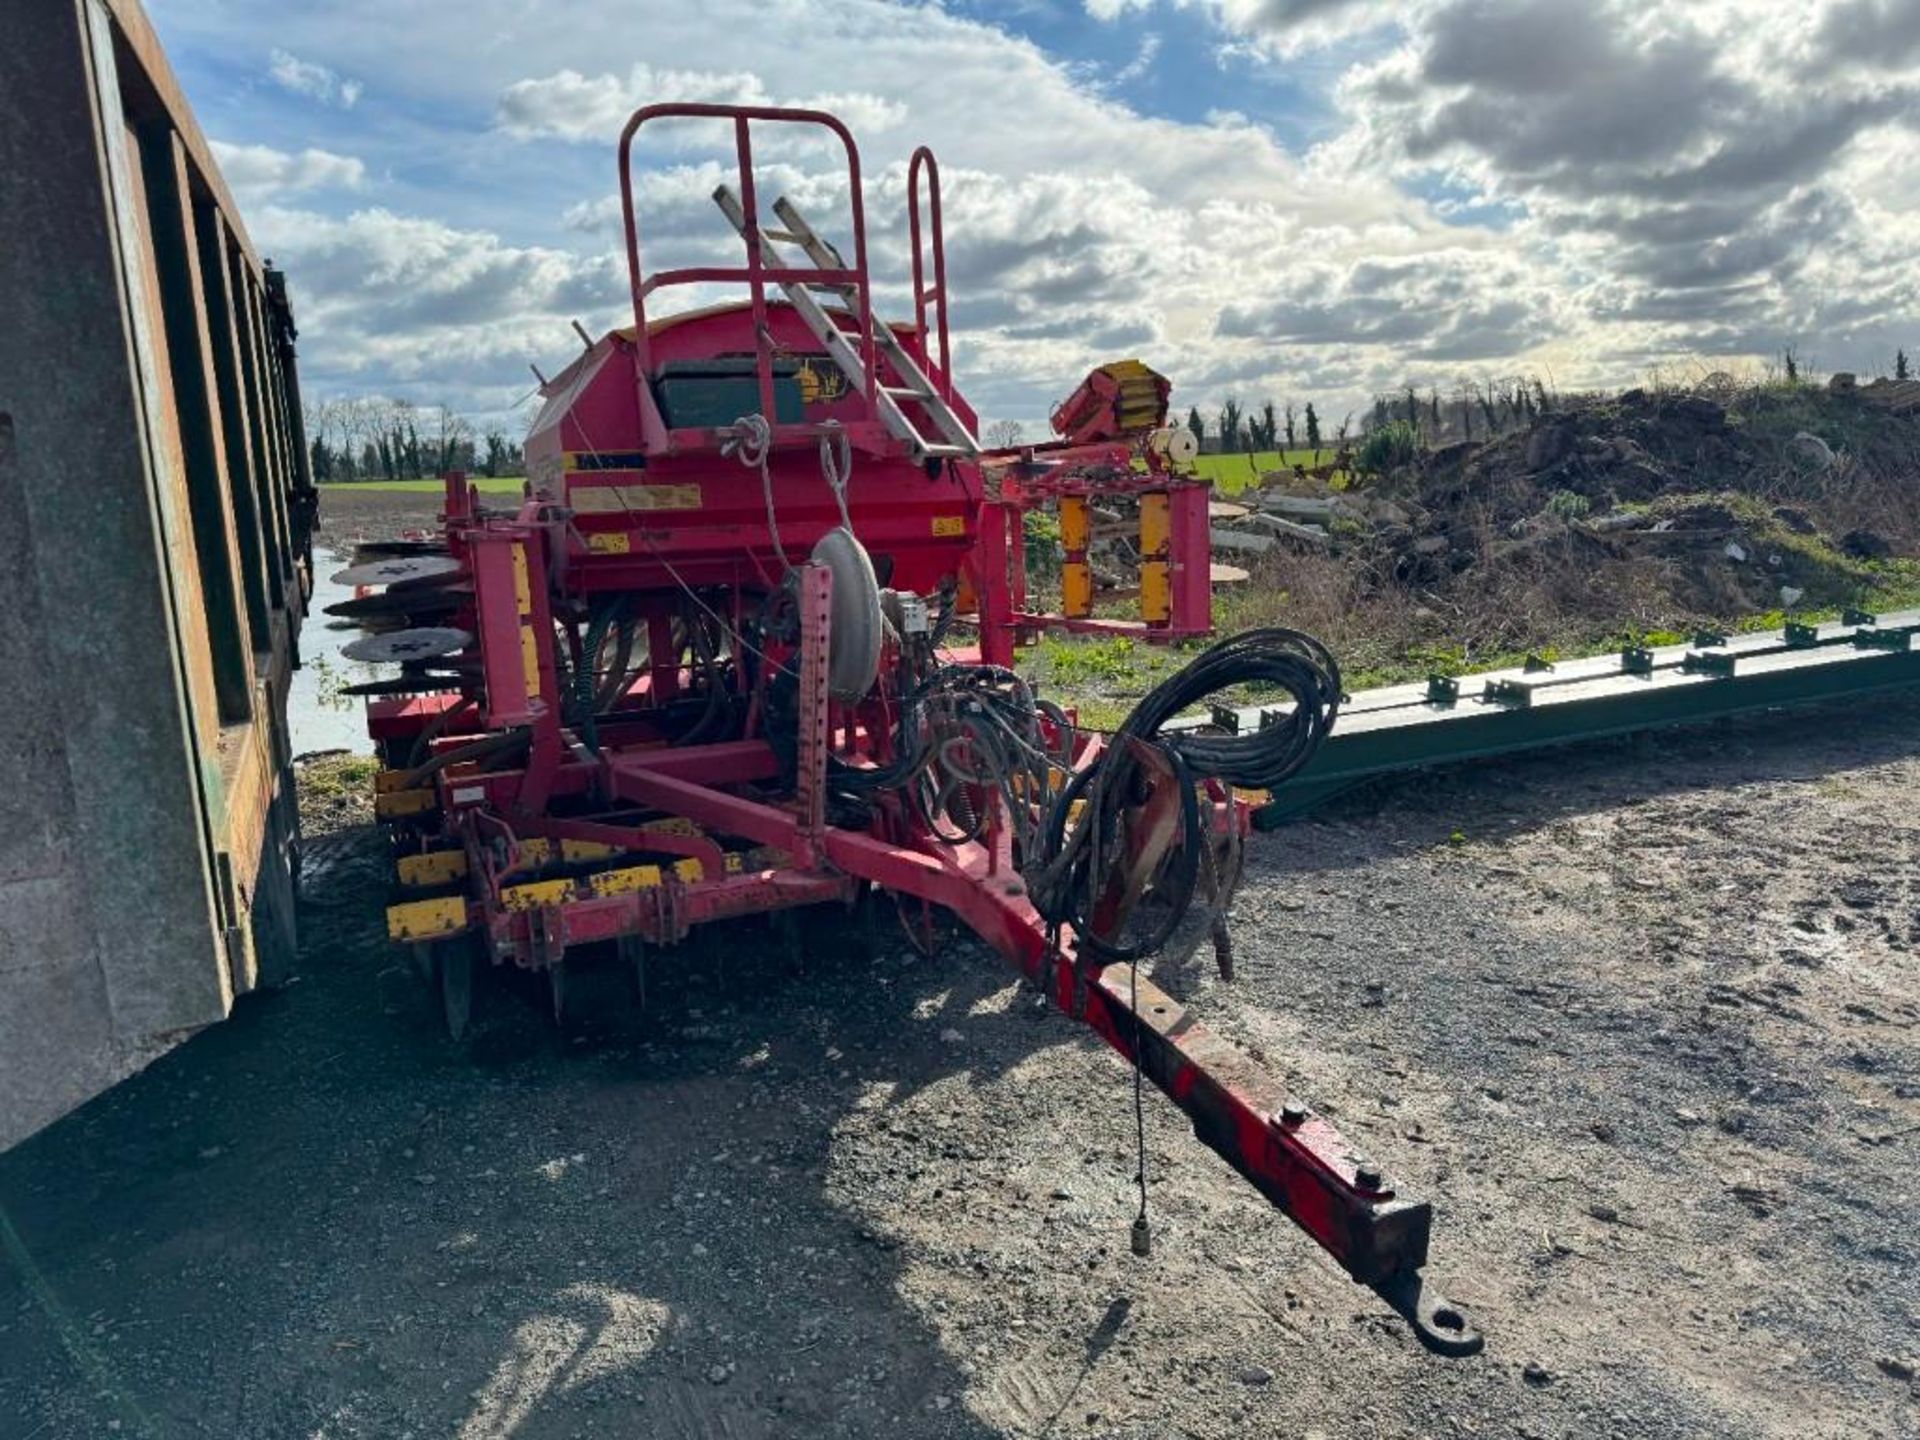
(398, 646)
(366, 550)
(1225, 510)
(397, 603)
(395, 568)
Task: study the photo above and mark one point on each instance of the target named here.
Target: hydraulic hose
(1069, 872)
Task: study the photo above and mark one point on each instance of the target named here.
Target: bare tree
(452, 443)
(1004, 434)
(1231, 434)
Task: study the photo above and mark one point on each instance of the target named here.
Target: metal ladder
(955, 440)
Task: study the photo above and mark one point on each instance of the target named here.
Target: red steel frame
(922, 293)
(1294, 1157)
(756, 275)
(521, 566)
(1091, 471)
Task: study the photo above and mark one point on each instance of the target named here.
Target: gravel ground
(1640, 1021)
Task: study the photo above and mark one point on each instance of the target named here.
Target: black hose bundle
(1273, 658)
(970, 741)
(980, 722)
(1069, 872)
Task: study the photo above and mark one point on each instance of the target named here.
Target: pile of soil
(1639, 510)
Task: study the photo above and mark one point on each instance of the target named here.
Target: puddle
(319, 717)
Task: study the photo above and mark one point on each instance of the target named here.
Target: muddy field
(349, 513)
(1640, 1021)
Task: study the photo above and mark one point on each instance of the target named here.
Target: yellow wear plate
(1156, 522)
(396, 803)
(624, 881)
(388, 781)
(436, 867)
(536, 894)
(530, 661)
(532, 852)
(671, 825)
(522, 581)
(426, 919)
(690, 870)
(1074, 520)
(1156, 590)
(1076, 589)
(539, 851)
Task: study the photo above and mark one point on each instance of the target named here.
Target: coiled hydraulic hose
(1069, 871)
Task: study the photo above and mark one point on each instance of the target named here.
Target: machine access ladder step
(954, 440)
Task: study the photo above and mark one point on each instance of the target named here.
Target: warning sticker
(949, 524)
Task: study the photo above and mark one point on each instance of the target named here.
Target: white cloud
(1284, 28)
(1693, 160)
(259, 172)
(570, 106)
(396, 304)
(304, 77)
(1141, 62)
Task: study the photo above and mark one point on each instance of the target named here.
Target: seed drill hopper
(745, 649)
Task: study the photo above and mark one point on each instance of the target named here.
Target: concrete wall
(153, 508)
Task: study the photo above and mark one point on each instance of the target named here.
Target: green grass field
(489, 485)
(1236, 472)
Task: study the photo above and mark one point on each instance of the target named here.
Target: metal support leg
(816, 636)
(994, 589)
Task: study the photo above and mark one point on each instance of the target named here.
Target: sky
(1302, 200)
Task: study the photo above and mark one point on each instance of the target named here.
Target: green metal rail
(1446, 720)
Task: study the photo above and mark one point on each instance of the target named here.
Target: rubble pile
(1752, 498)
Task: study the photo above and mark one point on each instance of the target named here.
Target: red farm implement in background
(713, 666)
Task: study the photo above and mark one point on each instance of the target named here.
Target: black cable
(1139, 1094)
(1070, 870)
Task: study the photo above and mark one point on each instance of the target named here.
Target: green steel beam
(1446, 720)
